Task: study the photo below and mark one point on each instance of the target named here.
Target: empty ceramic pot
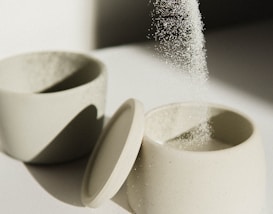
(51, 105)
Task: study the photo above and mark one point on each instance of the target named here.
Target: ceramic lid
(114, 155)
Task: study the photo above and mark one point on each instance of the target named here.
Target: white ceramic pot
(51, 105)
(169, 180)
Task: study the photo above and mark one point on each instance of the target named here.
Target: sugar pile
(177, 28)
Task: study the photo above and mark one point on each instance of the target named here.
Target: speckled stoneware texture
(171, 180)
(51, 105)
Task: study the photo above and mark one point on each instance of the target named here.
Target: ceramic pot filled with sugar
(180, 171)
(169, 167)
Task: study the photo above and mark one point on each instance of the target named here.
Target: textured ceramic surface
(51, 105)
(114, 154)
(167, 180)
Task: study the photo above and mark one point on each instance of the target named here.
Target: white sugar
(177, 29)
(210, 145)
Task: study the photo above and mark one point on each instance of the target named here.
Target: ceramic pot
(51, 105)
(165, 179)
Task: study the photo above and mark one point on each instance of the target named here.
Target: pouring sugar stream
(137, 149)
(177, 28)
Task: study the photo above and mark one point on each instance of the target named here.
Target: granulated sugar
(177, 29)
(210, 145)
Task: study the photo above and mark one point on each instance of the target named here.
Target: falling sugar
(177, 29)
(187, 141)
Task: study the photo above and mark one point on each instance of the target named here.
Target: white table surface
(241, 75)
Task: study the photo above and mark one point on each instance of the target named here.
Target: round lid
(114, 154)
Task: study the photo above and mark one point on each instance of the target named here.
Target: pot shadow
(69, 150)
(121, 199)
(63, 181)
(75, 140)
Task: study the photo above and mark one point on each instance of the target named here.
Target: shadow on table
(63, 181)
(243, 58)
